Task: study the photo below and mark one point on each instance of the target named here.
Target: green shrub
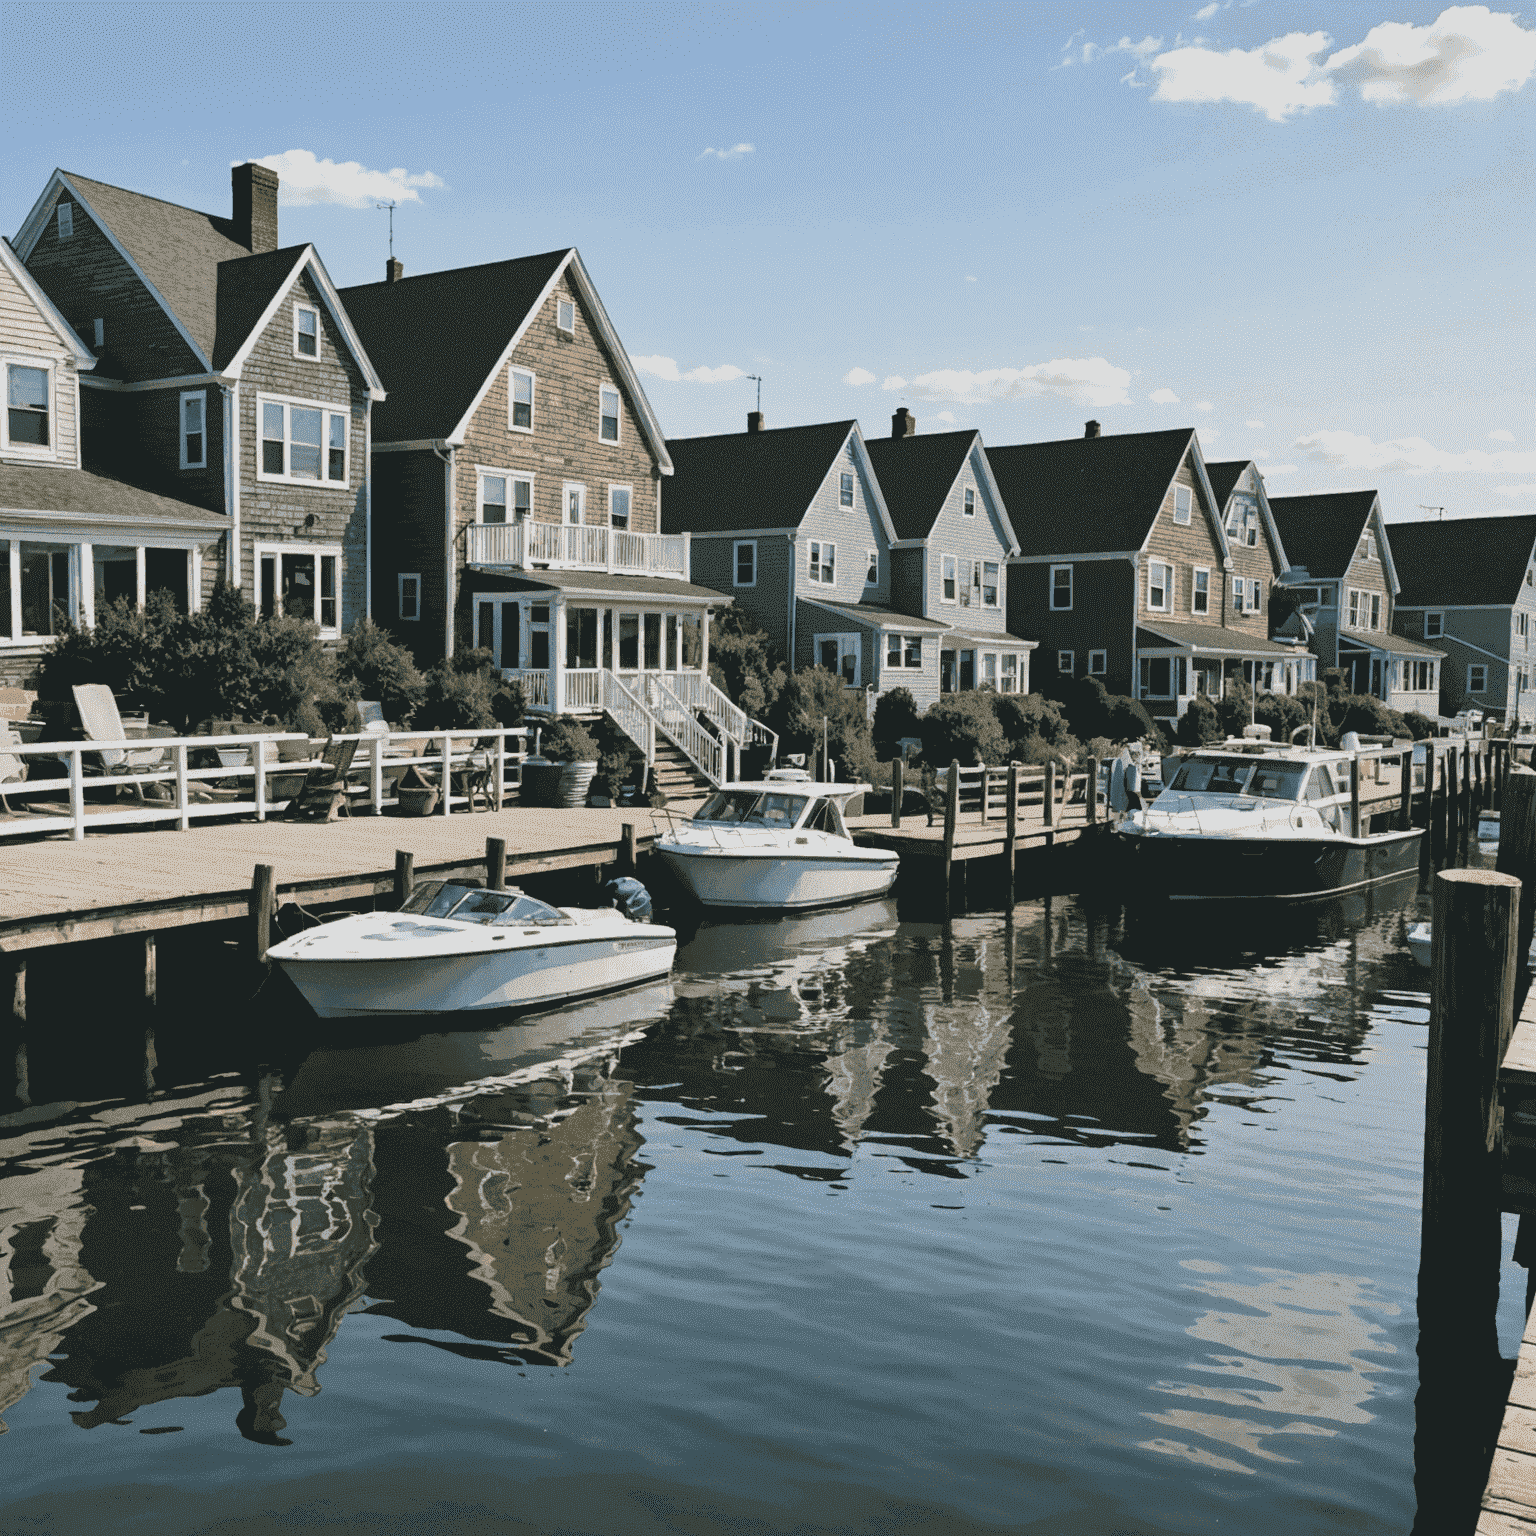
(372, 666)
(460, 691)
(743, 663)
(567, 740)
(896, 716)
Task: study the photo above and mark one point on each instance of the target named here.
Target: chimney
(903, 423)
(754, 421)
(393, 270)
(1090, 429)
(255, 207)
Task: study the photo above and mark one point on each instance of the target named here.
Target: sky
(1305, 230)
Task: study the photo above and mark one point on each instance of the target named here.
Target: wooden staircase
(675, 776)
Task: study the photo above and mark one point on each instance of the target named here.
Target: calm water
(1063, 1225)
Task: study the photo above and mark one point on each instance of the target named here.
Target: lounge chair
(323, 795)
(100, 720)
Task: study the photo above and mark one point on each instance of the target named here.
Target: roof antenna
(758, 379)
(1440, 510)
(391, 206)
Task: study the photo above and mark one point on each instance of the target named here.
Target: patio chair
(323, 795)
(101, 721)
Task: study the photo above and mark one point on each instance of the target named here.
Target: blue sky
(1304, 229)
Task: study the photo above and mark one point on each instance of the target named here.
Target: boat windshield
(1268, 779)
(748, 808)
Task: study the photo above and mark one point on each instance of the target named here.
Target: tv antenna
(1440, 510)
(757, 378)
(391, 206)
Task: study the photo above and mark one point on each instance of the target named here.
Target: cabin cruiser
(777, 843)
(454, 947)
(1250, 819)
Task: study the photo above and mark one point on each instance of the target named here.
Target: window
(1434, 625)
(493, 498)
(520, 418)
(845, 490)
(1066, 662)
(194, 439)
(1477, 677)
(66, 220)
(746, 562)
(608, 409)
(1200, 594)
(410, 594)
(1255, 597)
(989, 581)
(574, 500)
(1159, 585)
(300, 581)
(1061, 586)
(1098, 663)
(306, 331)
(565, 316)
(904, 651)
(970, 502)
(28, 393)
(1375, 610)
(302, 441)
(823, 562)
(618, 506)
(1183, 503)
(947, 584)
(871, 567)
(1010, 681)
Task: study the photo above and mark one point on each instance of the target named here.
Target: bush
(743, 663)
(372, 666)
(964, 728)
(813, 693)
(567, 740)
(460, 691)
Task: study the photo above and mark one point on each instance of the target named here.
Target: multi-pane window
(565, 316)
(66, 220)
(493, 498)
(618, 506)
(970, 502)
(608, 406)
(947, 578)
(306, 331)
(1098, 663)
(26, 400)
(1183, 503)
(989, 579)
(1200, 596)
(871, 567)
(410, 595)
(194, 436)
(845, 490)
(1434, 625)
(303, 442)
(823, 562)
(1061, 586)
(1066, 662)
(521, 418)
(746, 562)
(1159, 585)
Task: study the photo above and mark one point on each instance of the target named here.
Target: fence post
(898, 788)
(1011, 836)
(951, 816)
(1093, 790)
(1050, 792)
(496, 863)
(405, 876)
(262, 904)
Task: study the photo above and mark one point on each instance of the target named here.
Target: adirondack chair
(323, 795)
(100, 720)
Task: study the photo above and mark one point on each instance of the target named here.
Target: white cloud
(858, 376)
(1086, 380)
(1409, 455)
(1516, 490)
(735, 152)
(1256, 425)
(666, 368)
(1501, 436)
(893, 381)
(1163, 397)
(1204, 405)
(304, 179)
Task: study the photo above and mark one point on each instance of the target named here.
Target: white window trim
(1166, 606)
(871, 563)
(302, 307)
(400, 581)
(64, 212)
(1066, 663)
(302, 547)
(901, 637)
(1477, 666)
(997, 586)
(1439, 630)
(565, 497)
(949, 570)
(327, 408)
(1098, 663)
(202, 398)
(563, 302)
(630, 515)
(29, 450)
(1189, 505)
(1194, 590)
(1065, 607)
(820, 545)
(533, 400)
(618, 415)
(845, 639)
(968, 502)
(736, 550)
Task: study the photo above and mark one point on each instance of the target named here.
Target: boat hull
(481, 980)
(1268, 869)
(777, 882)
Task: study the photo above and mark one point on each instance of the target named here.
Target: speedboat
(454, 947)
(778, 844)
(1248, 819)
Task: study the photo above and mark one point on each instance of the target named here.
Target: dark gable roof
(1323, 532)
(246, 285)
(1224, 477)
(748, 479)
(1087, 494)
(434, 339)
(50, 488)
(178, 249)
(915, 475)
(1462, 562)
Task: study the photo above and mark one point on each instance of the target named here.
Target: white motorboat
(778, 844)
(457, 948)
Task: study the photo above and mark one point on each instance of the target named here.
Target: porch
(529, 545)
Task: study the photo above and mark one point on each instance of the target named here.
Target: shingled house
(1469, 588)
(227, 375)
(1125, 570)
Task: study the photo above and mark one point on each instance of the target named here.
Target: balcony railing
(576, 547)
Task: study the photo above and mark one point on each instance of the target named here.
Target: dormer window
(66, 220)
(970, 502)
(608, 409)
(565, 316)
(1183, 504)
(306, 331)
(520, 418)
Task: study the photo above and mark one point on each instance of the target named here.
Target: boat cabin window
(1277, 781)
(747, 808)
(824, 817)
(436, 898)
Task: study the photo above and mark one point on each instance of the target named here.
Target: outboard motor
(630, 897)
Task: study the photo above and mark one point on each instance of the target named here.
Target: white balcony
(526, 546)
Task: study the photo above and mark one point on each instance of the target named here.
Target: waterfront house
(1126, 573)
(949, 562)
(71, 540)
(1469, 588)
(1345, 586)
(227, 375)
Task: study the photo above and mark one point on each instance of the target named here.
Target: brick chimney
(255, 207)
(394, 270)
(1090, 429)
(754, 421)
(903, 423)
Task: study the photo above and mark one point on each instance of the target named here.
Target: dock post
(898, 788)
(405, 876)
(951, 816)
(1093, 790)
(1517, 849)
(1050, 792)
(263, 902)
(1011, 835)
(629, 858)
(19, 1029)
(496, 863)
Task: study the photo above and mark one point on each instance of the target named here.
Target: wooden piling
(405, 876)
(1517, 850)
(1011, 835)
(951, 816)
(496, 863)
(898, 788)
(628, 858)
(263, 902)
